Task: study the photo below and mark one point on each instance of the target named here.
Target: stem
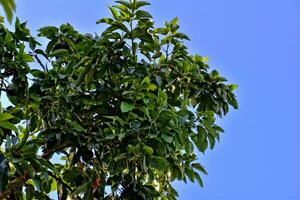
(45, 68)
(132, 40)
(2, 83)
(47, 154)
(167, 51)
(62, 182)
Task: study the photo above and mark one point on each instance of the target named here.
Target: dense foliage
(110, 116)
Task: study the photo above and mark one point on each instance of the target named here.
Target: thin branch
(45, 68)
(63, 183)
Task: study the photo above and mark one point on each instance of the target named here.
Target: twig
(63, 183)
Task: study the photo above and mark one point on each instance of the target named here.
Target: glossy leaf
(5, 116)
(126, 107)
(8, 125)
(141, 14)
(148, 150)
(140, 4)
(9, 6)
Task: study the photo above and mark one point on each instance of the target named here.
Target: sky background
(254, 43)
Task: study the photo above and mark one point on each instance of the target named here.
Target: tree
(110, 116)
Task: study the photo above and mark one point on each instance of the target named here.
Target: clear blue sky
(254, 43)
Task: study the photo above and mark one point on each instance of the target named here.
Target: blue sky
(253, 43)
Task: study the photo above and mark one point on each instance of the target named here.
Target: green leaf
(151, 87)
(159, 162)
(32, 43)
(83, 61)
(167, 138)
(190, 173)
(202, 145)
(110, 136)
(145, 80)
(141, 14)
(126, 107)
(174, 21)
(233, 87)
(5, 116)
(200, 139)
(75, 125)
(199, 167)
(65, 28)
(9, 7)
(53, 186)
(49, 31)
(182, 36)
(162, 96)
(214, 73)
(135, 124)
(37, 73)
(125, 171)
(140, 4)
(201, 132)
(106, 20)
(125, 3)
(27, 58)
(70, 43)
(205, 59)
(80, 189)
(59, 52)
(148, 150)
(212, 141)
(83, 74)
(89, 76)
(8, 38)
(232, 100)
(189, 147)
(130, 148)
(50, 46)
(114, 12)
(8, 125)
(198, 178)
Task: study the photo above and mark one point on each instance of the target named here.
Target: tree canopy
(119, 115)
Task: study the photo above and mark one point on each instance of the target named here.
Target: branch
(45, 68)
(63, 183)
(47, 154)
